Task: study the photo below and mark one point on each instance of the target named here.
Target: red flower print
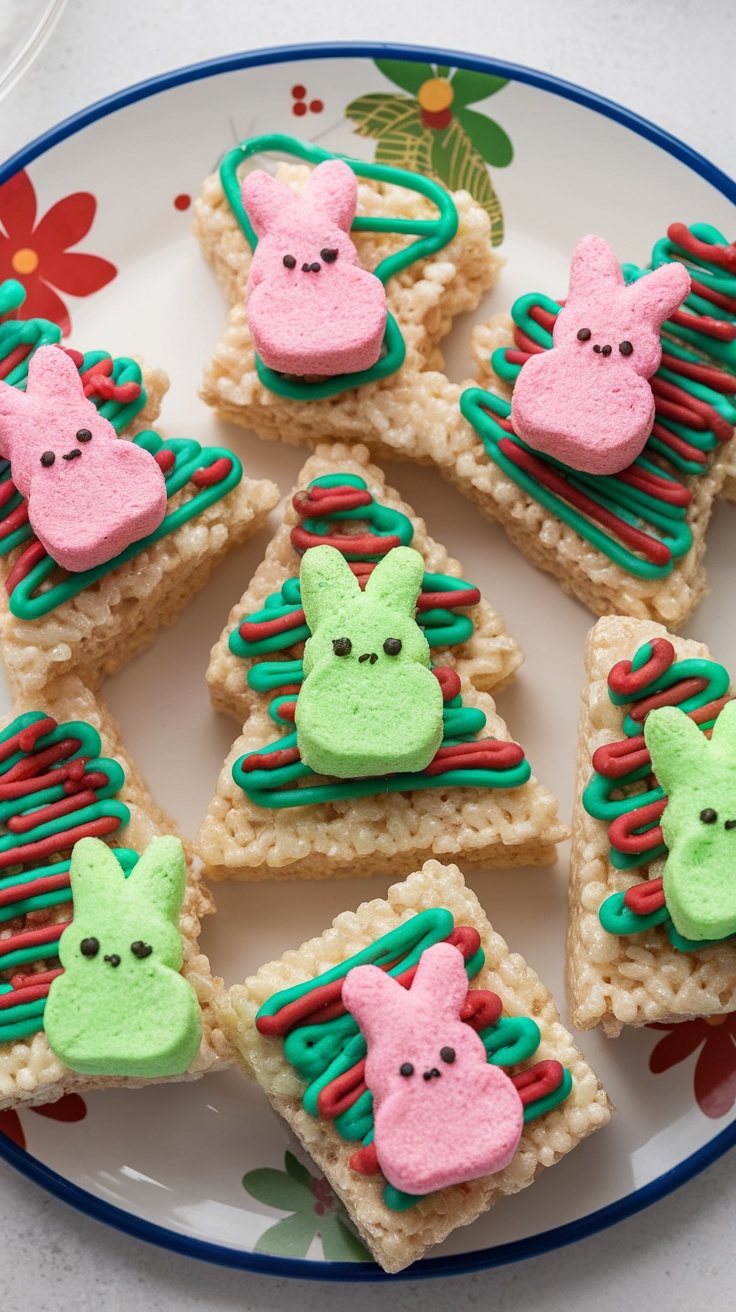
(68, 1109)
(714, 1082)
(38, 254)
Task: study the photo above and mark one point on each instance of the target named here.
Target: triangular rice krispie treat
(651, 929)
(438, 1124)
(441, 269)
(272, 817)
(94, 619)
(69, 734)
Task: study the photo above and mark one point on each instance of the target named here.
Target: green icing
(431, 235)
(370, 711)
(699, 823)
(29, 599)
(120, 1009)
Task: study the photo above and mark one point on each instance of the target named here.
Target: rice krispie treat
(430, 249)
(151, 919)
(101, 542)
(342, 791)
(426, 1097)
(651, 916)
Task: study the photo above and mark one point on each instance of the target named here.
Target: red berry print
(300, 106)
(182, 201)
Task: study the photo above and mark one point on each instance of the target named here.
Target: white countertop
(670, 62)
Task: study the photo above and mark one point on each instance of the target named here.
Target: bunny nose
(431, 1074)
(730, 824)
(602, 350)
(72, 455)
(311, 268)
(368, 656)
(114, 959)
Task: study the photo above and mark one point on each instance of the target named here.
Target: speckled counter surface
(671, 62)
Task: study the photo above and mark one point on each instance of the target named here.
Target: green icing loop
(475, 403)
(432, 236)
(28, 602)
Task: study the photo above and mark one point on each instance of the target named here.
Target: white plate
(167, 1163)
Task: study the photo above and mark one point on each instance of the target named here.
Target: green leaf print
(489, 139)
(290, 1237)
(403, 74)
(377, 114)
(468, 86)
(458, 164)
(277, 1189)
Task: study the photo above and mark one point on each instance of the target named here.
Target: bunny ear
(397, 580)
(95, 874)
(13, 405)
(594, 268)
(372, 997)
(679, 750)
(333, 187)
(53, 376)
(264, 200)
(723, 738)
(658, 294)
(327, 585)
(160, 875)
(441, 978)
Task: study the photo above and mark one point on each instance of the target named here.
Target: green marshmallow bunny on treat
(699, 822)
(369, 704)
(121, 1007)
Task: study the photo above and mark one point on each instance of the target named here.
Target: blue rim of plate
(637, 1200)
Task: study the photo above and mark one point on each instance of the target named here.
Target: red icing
(34, 852)
(365, 1161)
(31, 938)
(538, 1080)
(624, 680)
(723, 256)
(27, 560)
(17, 892)
(449, 681)
(621, 830)
(484, 754)
(645, 898)
(208, 475)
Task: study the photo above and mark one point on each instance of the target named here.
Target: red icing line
(27, 561)
(7, 491)
(34, 852)
(448, 600)
(679, 445)
(15, 357)
(271, 760)
(365, 1161)
(25, 741)
(35, 977)
(359, 544)
(724, 302)
(674, 494)
(327, 501)
(31, 994)
(538, 1080)
(287, 711)
(107, 390)
(707, 374)
(621, 831)
(18, 892)
(526, 344)
(165, 459)
(622, 679)
(652, 548)
(76, 357)
(674, 403)
(208, 475)
(31, 938)
(484, 753)
(645, 898)
(22, 824)
(16, 519)
(516, 357)
(481, 1009)
(449, 681)
(257, 631)
(545, 318)
(724, 256)
(679, 692)
(342, 1092)
(614, 760)
(31, 765)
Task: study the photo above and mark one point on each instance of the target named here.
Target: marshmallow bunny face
(369, 703)
(89, 494)
(311, 308)
(442, 1115)
(587, 401)
(121, 1007)
(699, 823)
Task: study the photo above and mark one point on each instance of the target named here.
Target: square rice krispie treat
(281, 813)
(424, 1104)
(431, 249)
(652, 917)
(101, 543)
(68, 735)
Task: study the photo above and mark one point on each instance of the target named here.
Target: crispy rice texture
(103, 627)
(398, 1238)
(424, 299)
(489, 659)
(30, 1073)
(615, 981)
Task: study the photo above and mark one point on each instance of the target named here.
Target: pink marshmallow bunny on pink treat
(90, 495)
(311, 308)
(442, 1115)
(587, 401)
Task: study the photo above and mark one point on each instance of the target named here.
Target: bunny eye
(584, 334)
(625, 348)
(392, 646)
(47, 459)
(708, 816)
(448, 1055)
(141, 949)
(289, 262)
(342, 646)
(329, 256)
(406, 1069)
(89, 947)
(84, 435)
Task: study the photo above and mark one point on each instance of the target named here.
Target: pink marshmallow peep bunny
(587, 401)
(442, 1115)
(90, 495)
(311, 308)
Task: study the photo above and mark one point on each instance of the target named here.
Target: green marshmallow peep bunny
(121, 1007)
(369, 704)
(699, 822)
